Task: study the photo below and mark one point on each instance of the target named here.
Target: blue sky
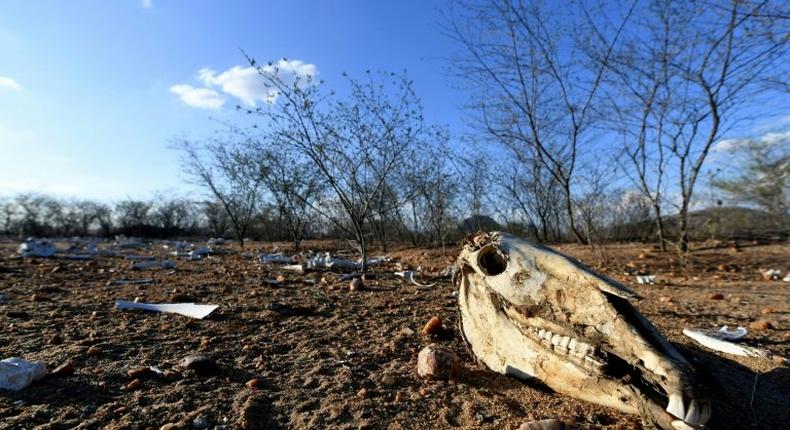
(91, 92)
(87, 98)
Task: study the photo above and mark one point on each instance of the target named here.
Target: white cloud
(770, 139)
(774, 138)
(203, 98)
(9, 83)
(245, 83)
(148, 3)
(725, 145)
(242, 83)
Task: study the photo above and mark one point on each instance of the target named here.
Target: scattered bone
(646, 279)
(772, 275)
(37, 248)
(186, 309)
(164, 264)
(16, 373)
(275, 259)
(326, 261)
(409, 275)
(294, 267)
(124, 242)
(133, 257)
(439, 363)
(131, 282)
(199, 253)
(720, 340)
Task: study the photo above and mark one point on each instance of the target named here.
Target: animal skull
(529, 311)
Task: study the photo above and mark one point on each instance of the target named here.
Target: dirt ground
(326, 357)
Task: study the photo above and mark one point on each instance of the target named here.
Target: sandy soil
(326, 357)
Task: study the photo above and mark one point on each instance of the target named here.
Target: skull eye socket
(491, 262)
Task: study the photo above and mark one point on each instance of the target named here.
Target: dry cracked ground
(308, 353)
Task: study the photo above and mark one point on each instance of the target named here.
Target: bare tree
(431, 190)
(694, 69)
(763, 177)
(294, 186)
(534, 92)
(104, 217)
(216, 218)
(223, 168)
(173, 215)
(8, 214)
(354, 144)
(132, 213)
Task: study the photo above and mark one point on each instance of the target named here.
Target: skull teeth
(566, 345)
(675, 406)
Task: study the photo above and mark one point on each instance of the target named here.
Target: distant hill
(733, 222)
(477, 223)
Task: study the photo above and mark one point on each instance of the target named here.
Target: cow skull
(528, 311)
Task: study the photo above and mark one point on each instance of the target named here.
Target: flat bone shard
(186, 309)
(528, 311)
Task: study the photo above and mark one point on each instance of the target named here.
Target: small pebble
(433, 326)
(138, 372)
(437, 362)
(200, 422)
(200, 364)
(133, 385)
(388, 379)
(64, 369)
(551, 424)
(253, 383)
(762, 325)
(94, 350)
(716, 296)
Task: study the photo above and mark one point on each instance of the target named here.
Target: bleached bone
(37, 248)
(409, 275)
(186, 309)
(144, 265)
(719, 341)
(528, 311)
(275, 259)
